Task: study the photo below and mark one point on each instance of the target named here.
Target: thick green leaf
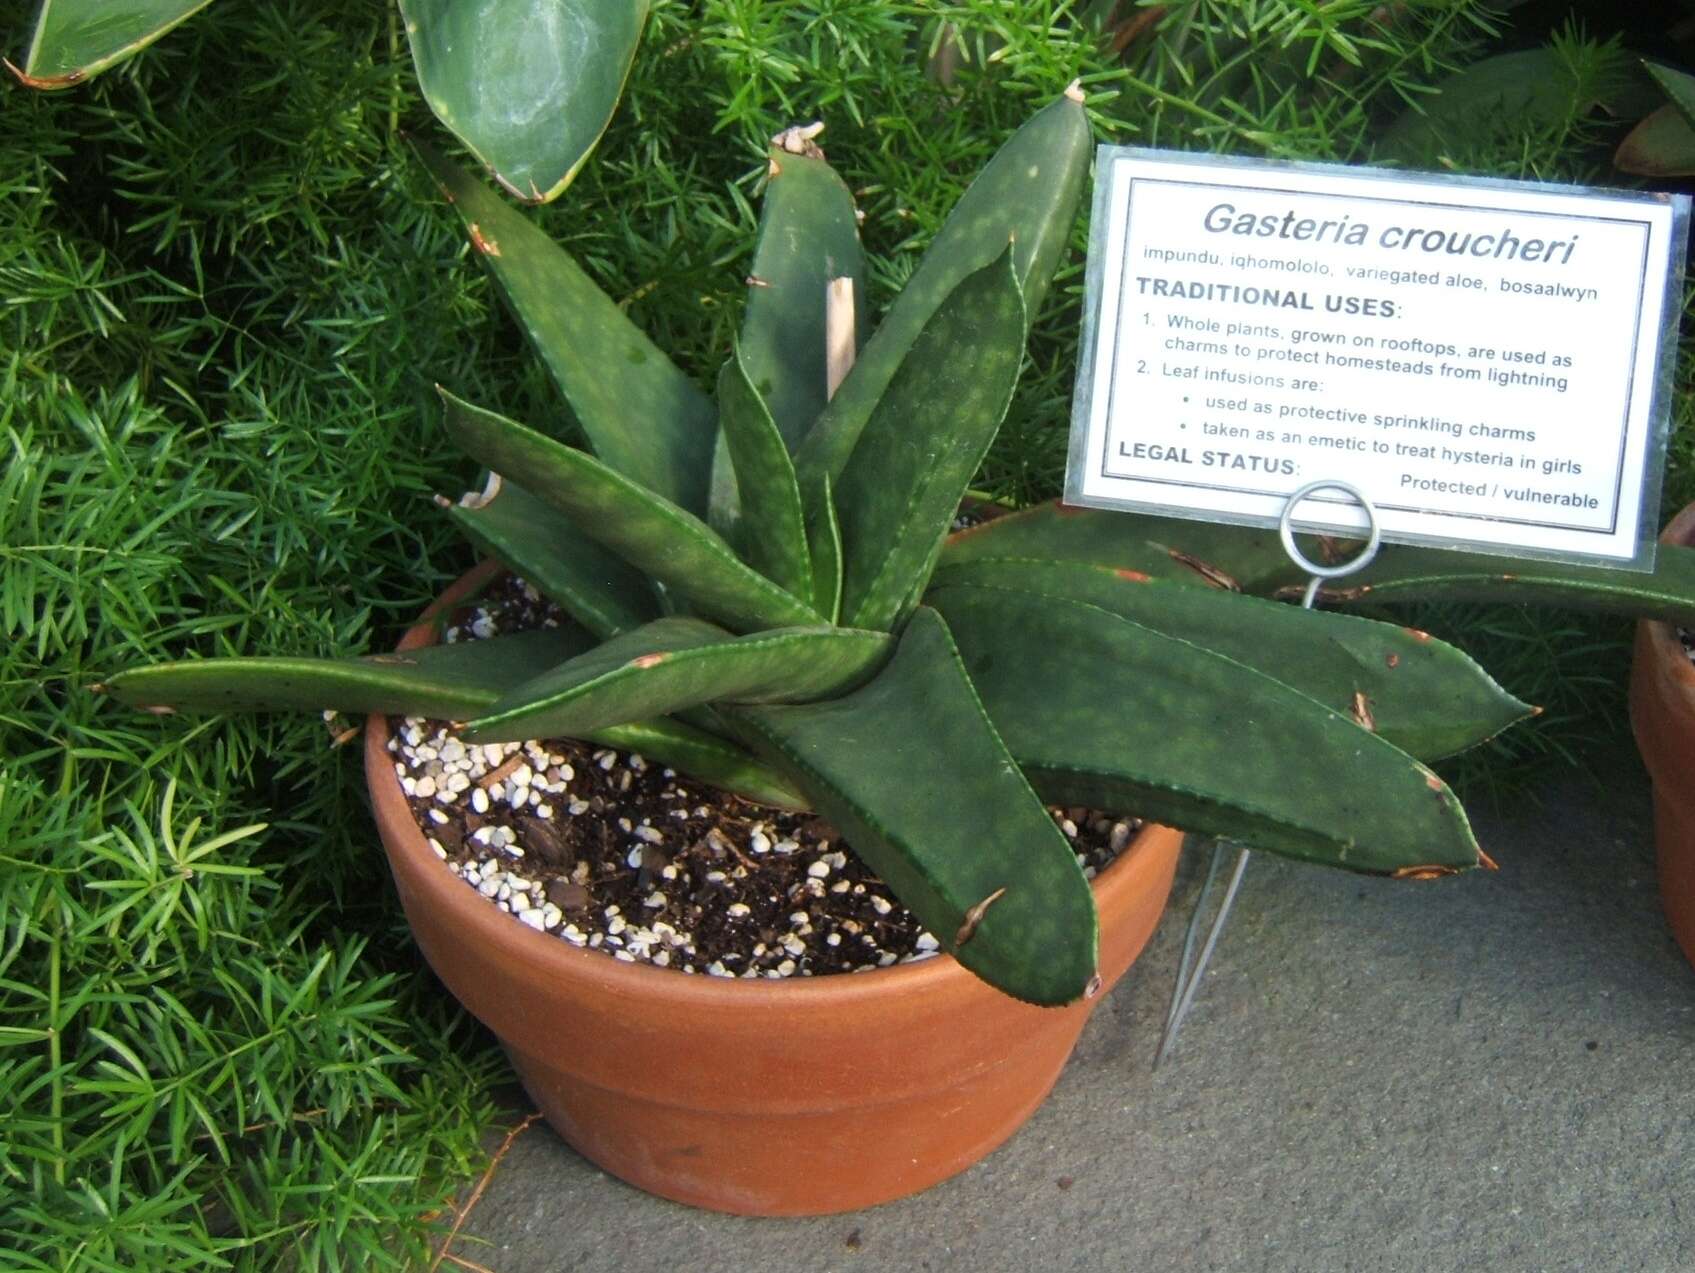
(597, 588)
(1202, 553)
(75, 39)
(824, 535)
(677, 663)
(651, 533)
(924, 441)
(442, 682)
(641, 415)
(702, 756)
(772, 530)
(1421, 694)
(527, 85)
(1105, 712)
(1427, 574)
(1026, 195)
(808, 235)
(912, 772)
(1253, 560)
(445, 682)
(1663, 145)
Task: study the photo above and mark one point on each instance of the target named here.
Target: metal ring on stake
(1286, 532)
(1189, 980)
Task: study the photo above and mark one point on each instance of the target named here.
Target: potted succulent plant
(761, 594)
(1662, 712)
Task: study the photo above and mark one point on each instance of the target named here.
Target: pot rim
(1115, 889)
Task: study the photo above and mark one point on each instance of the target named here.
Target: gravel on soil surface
(609, 851)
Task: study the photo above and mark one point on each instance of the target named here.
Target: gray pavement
(1492, 1072)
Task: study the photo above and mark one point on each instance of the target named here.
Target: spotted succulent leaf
(666, 542)
(1026, 196)
(593, 585)
(773, 524)
(925, 439)
(676, 663)
(1421, 694)
(948, 850)
(642, 416)
(1105, 712)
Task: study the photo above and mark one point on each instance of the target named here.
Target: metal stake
(1189, 979)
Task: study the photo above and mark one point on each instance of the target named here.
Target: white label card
(1483, 359)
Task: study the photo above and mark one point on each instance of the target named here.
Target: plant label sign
(1487, 361)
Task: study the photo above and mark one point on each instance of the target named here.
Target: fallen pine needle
(476, 1195)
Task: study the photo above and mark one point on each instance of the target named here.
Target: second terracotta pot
(793, 1097)
(1662, 712)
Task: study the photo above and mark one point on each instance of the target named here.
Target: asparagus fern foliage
(766, 594)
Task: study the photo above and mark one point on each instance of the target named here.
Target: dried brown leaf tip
(974, 917)
(484, 497)
(799, 140)
(1361, 712)
(1423, 872)
(1212, 574)
(45, 82)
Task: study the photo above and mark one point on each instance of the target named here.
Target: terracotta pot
(1662, 711)
(794, 1097)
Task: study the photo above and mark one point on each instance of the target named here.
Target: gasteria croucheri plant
(766, 594)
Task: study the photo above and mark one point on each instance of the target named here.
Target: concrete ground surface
(1491, 1072)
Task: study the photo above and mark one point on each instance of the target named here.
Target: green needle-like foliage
(804, 605)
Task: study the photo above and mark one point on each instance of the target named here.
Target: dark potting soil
(610, 851)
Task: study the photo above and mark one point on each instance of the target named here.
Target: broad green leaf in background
(75, 39)
(527, 85)
(1533, 87)
(1663, 145)
(1679, 86)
